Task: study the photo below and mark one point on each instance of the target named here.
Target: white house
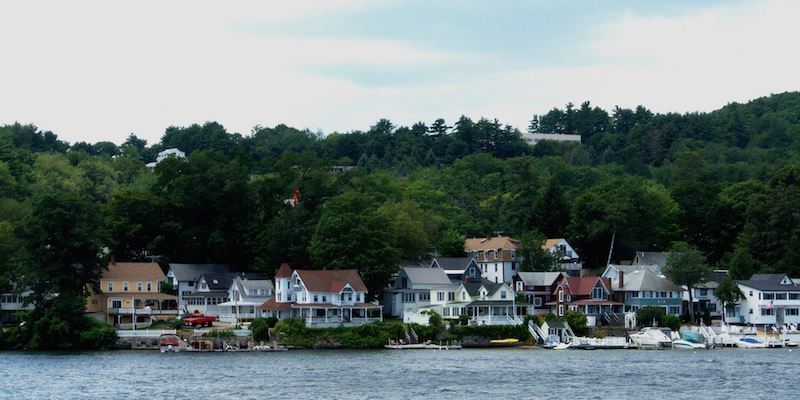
(164, 155)
(769, 299)
(323, 298)
(11, 303)
(570, 260)
(247, 291)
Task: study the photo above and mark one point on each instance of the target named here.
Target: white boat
(749, 342)
(561, 346)
(650, 337)
(687, 344)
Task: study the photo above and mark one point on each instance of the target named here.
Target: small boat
(748, 342)
(454, 345)
(273, 347)
(170, 343)
(561, 346)
(607, 343)
(499, 341)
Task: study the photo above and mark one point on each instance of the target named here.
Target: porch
(326, 316)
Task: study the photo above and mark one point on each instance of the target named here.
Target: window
(446, 311)
(110, 286)
(425, 296)
(472, 272)
(451, 296)
(191, 284)
(463, 295)
(138, 286)
(519, 286)
(751, 293)
(712, 307)
(485, 255)
(794, 296)
(537, 301)
(316, 298)
(495, 268)
(767, 311)
(94, 301)
(792, 311)
(597, 293)
(780, 296)
(561, 296)
(561, 310)
(674, 310)
(116, 303)
(439, 296)
(496, 253)
(149, 286)
(124, 286)
(769, 296)
(703, 293)
(513, 255)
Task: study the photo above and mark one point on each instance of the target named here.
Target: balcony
(140, 311)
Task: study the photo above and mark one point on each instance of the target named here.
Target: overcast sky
(96, 71)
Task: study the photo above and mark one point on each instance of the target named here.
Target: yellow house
(130, 293)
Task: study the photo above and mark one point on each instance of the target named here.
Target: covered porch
(139, 310)
(327, 315)
(494, 312)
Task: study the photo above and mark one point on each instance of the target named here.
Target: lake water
(387, 374)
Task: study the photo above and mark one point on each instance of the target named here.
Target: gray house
(184, 278)
(640, 286)
(412, 289)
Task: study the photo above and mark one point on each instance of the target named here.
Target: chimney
(621, 279)
(113, 260)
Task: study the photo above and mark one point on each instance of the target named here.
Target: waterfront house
(412, 289)
(538, 289)
(458, 268)
(246, 292)
(591, 295)
(129, 294)
(210, 290)
(769, 299)
(641, 286)
(323, 298)
(184, 279)
(496, 257)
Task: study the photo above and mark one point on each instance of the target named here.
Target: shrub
(671, 321)
(260, 329)
(220, 333)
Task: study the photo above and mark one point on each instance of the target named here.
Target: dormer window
(513, 254)
(496, 254)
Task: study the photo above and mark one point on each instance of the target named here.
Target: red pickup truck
(199, 320)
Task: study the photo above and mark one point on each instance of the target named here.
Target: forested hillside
(727, 182)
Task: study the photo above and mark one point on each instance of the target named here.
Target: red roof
(272, 305)
(583, 285)
(331, 281)
(285, 271)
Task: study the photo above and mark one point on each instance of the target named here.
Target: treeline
(725, 182)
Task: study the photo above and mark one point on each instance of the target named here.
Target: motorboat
(651, 337)
(687, 344)
(561, 346)
(170, 343)
(689, 341)
(749, 342)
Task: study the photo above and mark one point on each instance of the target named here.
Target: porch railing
(141, 311)
(144, 333)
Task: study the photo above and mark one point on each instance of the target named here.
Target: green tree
(351, 233)
(534, 256)
(451, 244)
(577, 321)
(729, 293)
(686, 267)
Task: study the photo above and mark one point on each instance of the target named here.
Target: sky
(99, 71)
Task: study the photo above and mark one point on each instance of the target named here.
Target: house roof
(426, 276)
(539, 278)
(491, 243)
(134, 271)
(192, 272)
(556, 324)
(645, 280)
(452, 263)
(331, 281)
(218, 281)
(272, 305)
(473, 287)
(285, 271)
(627, 269)
(583, 285)
(770, 282)
(549, 243)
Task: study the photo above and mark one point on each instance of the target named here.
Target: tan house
(496, 257)
(130, 293)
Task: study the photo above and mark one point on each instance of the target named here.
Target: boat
(607, 343)
(170, 343)
(650, 338)
(561, 346)
(497, 341)
(393, 345)
(689, 341)
(749, 342)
